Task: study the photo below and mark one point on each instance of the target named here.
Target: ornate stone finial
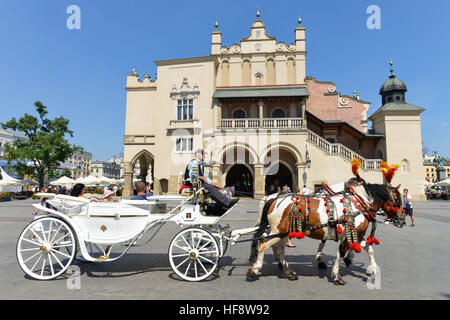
(258, 13)
(217, 23)
(299, 19)
(392, 70)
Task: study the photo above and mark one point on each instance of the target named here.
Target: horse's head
(393, 208)
(386, 198)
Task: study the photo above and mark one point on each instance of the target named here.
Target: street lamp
(308, 160)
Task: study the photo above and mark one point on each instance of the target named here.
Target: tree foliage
(46, 146)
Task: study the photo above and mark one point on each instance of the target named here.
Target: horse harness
(299, 230)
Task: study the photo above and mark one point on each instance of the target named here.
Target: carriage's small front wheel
(194, 254)
(46, 248)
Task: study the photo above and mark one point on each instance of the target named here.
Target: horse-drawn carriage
(69, 228)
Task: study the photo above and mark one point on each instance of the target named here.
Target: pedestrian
(305, 190)
(407, 205)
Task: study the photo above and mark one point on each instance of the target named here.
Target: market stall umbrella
(63, 181)
(443, 183)
(91, 180)
(7, 177)
(106, 180)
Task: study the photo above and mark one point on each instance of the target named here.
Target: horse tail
(262, 223)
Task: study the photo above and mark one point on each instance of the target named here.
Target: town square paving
(414, 263)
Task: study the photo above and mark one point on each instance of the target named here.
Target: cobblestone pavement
(414, 264)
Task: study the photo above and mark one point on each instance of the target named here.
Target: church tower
(400, 122)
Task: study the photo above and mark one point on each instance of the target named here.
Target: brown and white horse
(277, 210)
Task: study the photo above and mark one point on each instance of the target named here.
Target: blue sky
(80, 74)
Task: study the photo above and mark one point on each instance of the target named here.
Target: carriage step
(102, 258)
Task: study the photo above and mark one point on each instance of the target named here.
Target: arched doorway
(141, 169)
(241, 178)
(278, 176)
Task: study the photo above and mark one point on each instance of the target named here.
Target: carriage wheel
(194, 254)
(40, 248)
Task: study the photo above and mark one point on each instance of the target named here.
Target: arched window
(246, 73)
(239, 114)
(258, 79)
(278, 113)
(405, 165)
(290, 71)
(225, 73)
(270, 72)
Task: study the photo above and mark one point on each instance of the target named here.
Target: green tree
(46, 146)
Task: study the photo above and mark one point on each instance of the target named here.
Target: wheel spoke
(200, 240)
(195, 269)
(180, 255)
(63, 245)
(185, 241)
(43, 266)
(34, 255)
(187, 269)
(43, 232)
(39, 238)
(57, 231)
(182, 263)
(50, 230)
(175, 245)
(204, 252)
(23, 250)
(201, 264)
(209, 241)
(36, 263)
(57, 260)
(65, 235)
(206, 259)
(30, 241)
(65, 255)
(51, 264)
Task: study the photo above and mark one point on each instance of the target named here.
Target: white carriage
(49, 244)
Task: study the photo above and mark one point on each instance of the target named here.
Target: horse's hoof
(339, 282)
(348, 262)
(280, 266)
(322, 265)
(293, 277)
(251, 276)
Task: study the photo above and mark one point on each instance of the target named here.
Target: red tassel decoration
(357, 248)
(342, 200)
(339, 229)
(299, 235)
(376, 241)
(291, 235)
(369, 241)
(344, 211)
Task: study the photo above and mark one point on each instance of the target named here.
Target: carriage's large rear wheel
(46, 248)
(194, 254)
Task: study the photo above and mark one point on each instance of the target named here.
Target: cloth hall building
(263, 122)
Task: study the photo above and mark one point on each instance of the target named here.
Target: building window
(185, 109)
(278, 113)
(184, 144)
(239, 114)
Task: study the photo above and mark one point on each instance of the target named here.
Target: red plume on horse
(341, 213)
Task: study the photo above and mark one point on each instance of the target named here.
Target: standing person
(305, 190)
(407, 205)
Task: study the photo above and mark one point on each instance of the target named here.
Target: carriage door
(103, 222)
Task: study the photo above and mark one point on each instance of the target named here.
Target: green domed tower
(400, 123)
